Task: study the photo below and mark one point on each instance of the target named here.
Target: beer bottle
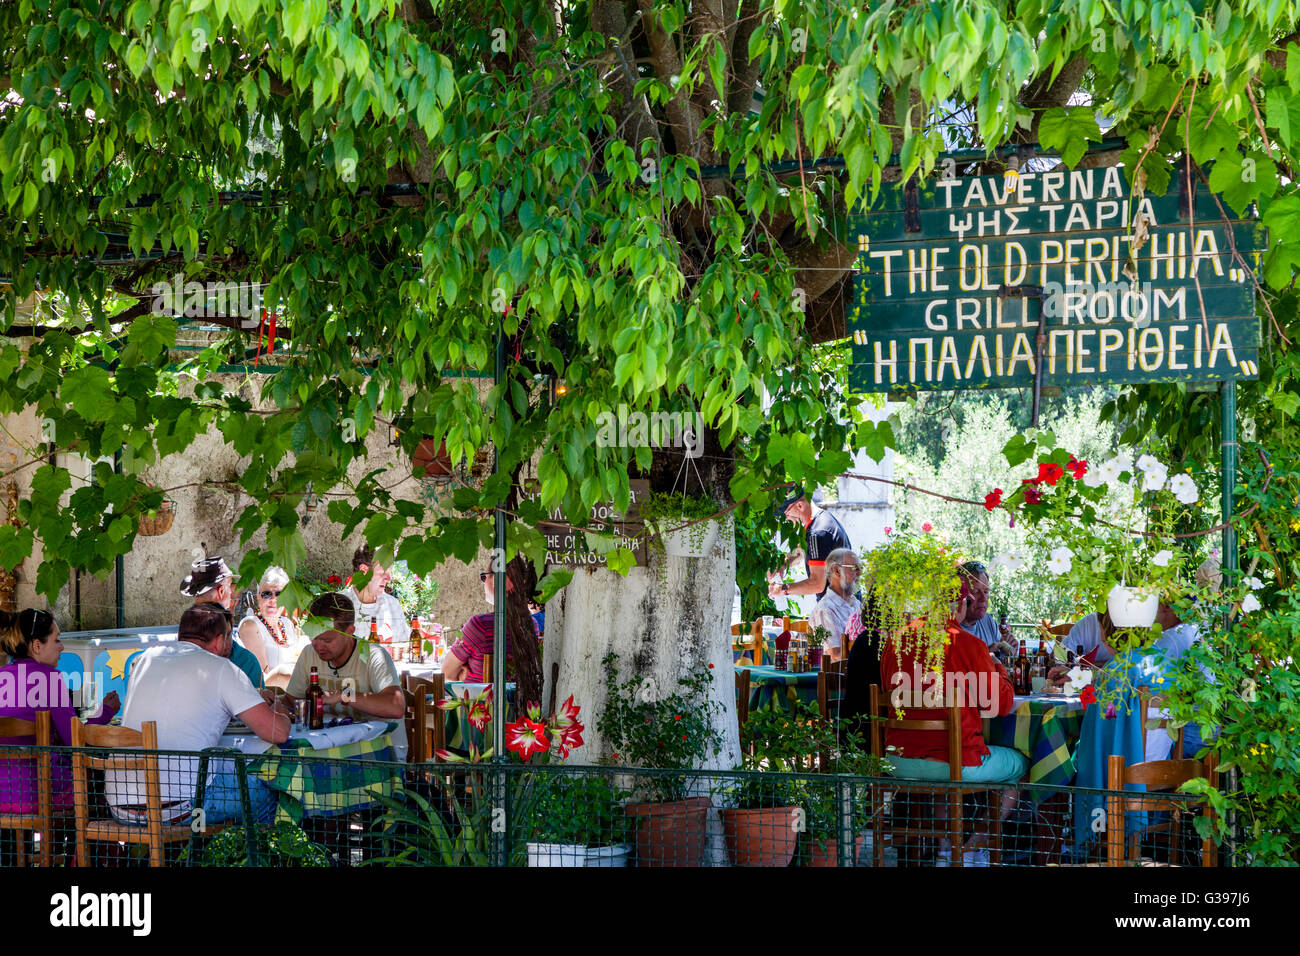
(1022, 671)
(1069, 657)
(374, 632)
(315, 703)
(415, 653)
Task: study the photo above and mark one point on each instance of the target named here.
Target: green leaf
(89, 391)
(1069, 130)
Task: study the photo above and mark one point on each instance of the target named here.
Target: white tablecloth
(426, 670)
(317, 739)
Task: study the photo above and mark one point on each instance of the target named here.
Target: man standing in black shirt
(823, 534)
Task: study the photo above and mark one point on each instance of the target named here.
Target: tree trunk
(661, 631)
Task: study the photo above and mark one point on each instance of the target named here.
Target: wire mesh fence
(103, 807)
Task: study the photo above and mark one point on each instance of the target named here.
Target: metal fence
(119, 808)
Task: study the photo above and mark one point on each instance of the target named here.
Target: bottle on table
(315, 702)
(1042, 662)
(1069, 657)
(374, 632)
(415, 652)
(1022, 671)
(1003, 631)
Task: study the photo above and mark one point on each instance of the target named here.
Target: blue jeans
(221, 797)
(999, 765)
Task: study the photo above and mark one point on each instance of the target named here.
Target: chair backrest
(742, 700)
(487, 669)
(1147, 700)
(429, 731)
(797, 625)
(1155, 775)
(1057, 630)
(44, 813)
(754, 644)
(832, 681)
(949, 724)
(91, 735)
(15, 727)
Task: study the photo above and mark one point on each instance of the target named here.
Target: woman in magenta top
(32, 682)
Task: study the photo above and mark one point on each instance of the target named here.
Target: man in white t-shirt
(359, 678)
(192, 690)
(839, 611)
(373, 603)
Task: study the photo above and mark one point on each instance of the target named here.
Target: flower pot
(557, 854)
(682, 543)
(760, 837)
(670, 834)
(608, 855)
(815, 658)
(828, 855)
(156, 524)
(432, 458)
(1132, 607)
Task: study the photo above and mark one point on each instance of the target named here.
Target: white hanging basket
(1132, 607)
(693, 541)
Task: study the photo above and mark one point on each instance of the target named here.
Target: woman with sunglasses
(271, 634)
(31, 638)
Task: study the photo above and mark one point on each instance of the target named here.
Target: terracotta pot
(760, 837)
(432, 458)
(829, 856)
(670, 834)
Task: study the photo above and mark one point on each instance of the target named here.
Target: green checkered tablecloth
(1044, 729)
(333, 780)
(769, 687)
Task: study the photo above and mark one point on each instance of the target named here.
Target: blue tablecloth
(1121, 734)
(769, 687)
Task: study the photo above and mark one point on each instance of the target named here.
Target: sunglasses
(484, 575)
(267, 595)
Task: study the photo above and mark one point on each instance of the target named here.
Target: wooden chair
(832, 683)
(1057, 630)
(950, 725)
(155, 833)
(742, 701)
(796, 625)
(487, 669)
(1156, 776)
(426, 726)
(42, 820)
(755, 643)
(1147, 700)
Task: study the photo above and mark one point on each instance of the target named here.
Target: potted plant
(763, 827)
(816, 646)
(914, 580)
(673, 732)
(683, 524)
(158, 518)
(579, 821)
(1108, 532)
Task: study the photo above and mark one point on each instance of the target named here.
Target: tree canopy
(644, 199)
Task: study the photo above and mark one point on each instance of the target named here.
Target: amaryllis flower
(1050, 472)
(527, 737)
(446, 756)
(1162, 558)
(480, 710)
(927, 527)
(1078, 467)
(1059, 561)
(570, 738)
(568, 715)
(1088, 696)
(993, 499)
(1184, 489)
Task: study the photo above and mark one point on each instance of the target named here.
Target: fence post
(199, 790)
(246, 809)
(848, 843)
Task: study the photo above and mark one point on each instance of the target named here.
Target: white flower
(1107, 473)
(1059, 561)
(1011, 561)
(1250, 603)
(1123, 462)
(1148, 463)
(1184, 489)
(1255, 584)
(1161, 559)
(1154, 479)
(1078, 679)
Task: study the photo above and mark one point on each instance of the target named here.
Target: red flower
(678, 717)
(1033, 496)
(683, 736)
(480, 711)
(710, 667)
(992, 500)
(927, 527)
(888, 530)
(647, 720)
(333, 580)
(526, 737)
(571, 737)
(1078, 467)
(1050, 472)
(1088, 696)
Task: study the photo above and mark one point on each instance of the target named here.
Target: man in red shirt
(981, 688)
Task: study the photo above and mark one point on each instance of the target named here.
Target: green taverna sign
(964, 283)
